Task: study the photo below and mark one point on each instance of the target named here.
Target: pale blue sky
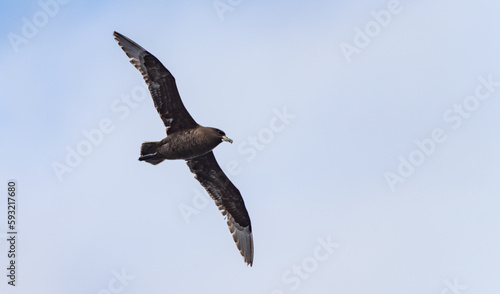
(320, 177)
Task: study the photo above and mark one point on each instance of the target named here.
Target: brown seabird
(189, 141)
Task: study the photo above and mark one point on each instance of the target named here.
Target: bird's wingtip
(243, 238)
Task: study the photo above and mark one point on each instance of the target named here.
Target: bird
(189, 141)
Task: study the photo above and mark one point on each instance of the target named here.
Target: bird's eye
(221, 132)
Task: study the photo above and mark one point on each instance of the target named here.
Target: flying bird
(191, 142)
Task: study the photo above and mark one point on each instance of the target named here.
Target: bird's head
(222, 136)
(212, 137)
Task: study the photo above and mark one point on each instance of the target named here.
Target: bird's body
(185, 144)
(189, 141)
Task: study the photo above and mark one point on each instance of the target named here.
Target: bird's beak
(224, 138)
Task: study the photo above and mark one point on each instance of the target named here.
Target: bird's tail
(149, 153)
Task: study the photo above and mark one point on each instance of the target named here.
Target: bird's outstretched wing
(228, 199)
(161, 84)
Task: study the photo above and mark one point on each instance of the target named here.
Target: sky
(366, 146)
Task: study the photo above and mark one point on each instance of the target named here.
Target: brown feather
(161, 84)
(228, 198)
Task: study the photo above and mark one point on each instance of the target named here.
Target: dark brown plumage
(189, 141)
